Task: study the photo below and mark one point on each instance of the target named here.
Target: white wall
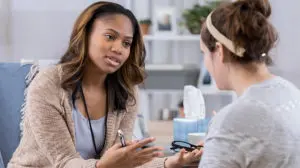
(41, 28)
(286, 20)
(4, 30)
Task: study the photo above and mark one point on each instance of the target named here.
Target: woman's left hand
(183, 158)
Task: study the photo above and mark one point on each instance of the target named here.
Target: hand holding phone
(122, 138)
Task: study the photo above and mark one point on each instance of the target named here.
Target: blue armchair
(12, 85)
(1, 161)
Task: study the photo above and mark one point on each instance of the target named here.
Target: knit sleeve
(44, 118)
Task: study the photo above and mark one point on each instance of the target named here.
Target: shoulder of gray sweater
(244, 116)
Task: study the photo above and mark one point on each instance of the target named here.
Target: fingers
(181, 155)
(145, 158)
(149, 150)
(119, 145)
(128, 143)
(116, 146)
(196, 154)
(153, 155)
(142, 161)
(141, 143)
(189, 156)
(199, 153)
(201, 143)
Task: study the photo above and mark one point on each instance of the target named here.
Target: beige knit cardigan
(48, 130)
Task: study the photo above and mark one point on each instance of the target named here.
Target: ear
(219, 52)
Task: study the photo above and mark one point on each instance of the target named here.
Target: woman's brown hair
(245, 22)
(120, 84)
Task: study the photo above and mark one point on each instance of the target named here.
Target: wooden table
(162, 131)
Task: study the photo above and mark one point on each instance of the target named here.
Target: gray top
(261, 129)
(83, 139)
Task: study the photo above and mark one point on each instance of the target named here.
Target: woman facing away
(74, 110)
(261, 128)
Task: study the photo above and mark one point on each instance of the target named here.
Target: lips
(112, 60)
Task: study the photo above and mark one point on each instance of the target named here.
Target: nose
(116, 47)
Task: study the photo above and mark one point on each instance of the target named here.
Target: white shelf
(214, 90)
(159, 67)
(206, 90)
(172, 37)
(169, 67)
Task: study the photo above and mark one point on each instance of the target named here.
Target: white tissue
(193, 102)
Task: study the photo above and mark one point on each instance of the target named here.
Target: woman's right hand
(129, 156)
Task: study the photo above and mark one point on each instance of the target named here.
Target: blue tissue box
(183, 126)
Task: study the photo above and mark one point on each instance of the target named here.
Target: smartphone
(122, 138)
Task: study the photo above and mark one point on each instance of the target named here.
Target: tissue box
(183, 126)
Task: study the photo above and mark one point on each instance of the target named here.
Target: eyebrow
(128, 37)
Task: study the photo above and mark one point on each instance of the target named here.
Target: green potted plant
(195, 16)
(145, 25)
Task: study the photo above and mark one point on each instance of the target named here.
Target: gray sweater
(261, 129)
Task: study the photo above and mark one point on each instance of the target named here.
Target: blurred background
(39, 30)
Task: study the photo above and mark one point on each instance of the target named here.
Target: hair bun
(261, 6)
